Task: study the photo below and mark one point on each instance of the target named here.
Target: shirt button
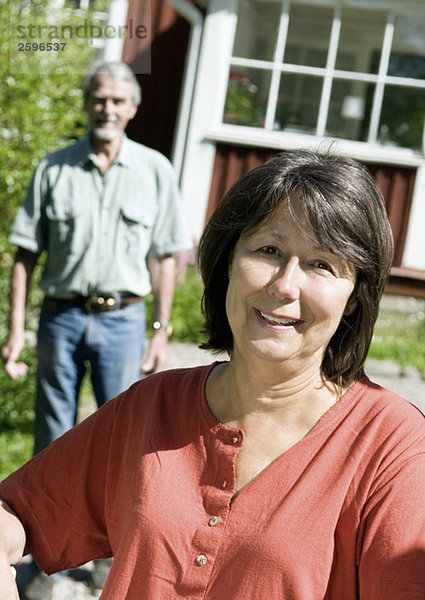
(201, 560)
(213, 521)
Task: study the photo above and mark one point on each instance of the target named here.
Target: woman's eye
(268, 250)
(320, 264)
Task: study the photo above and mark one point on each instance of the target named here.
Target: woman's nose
(285, 284)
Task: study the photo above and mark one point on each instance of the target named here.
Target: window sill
(406, 282)
(285, 140)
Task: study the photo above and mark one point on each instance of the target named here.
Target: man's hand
(10, 355)
(157, 353)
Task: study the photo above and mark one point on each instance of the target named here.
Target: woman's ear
(350, 306)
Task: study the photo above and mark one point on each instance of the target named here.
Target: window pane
(402, 117)
(349, 110)
(408, 49)
(298, 103)
(247, 93)
(360, 41)
(257, 28)
(308, 35)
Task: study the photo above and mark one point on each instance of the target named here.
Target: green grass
(399, 337)
(15, 449)
(400, 332)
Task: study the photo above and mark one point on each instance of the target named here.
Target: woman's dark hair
(340, 200)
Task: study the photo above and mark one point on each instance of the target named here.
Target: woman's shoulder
(167, 391)
(382, 401)
(170, 380)
(385, 418)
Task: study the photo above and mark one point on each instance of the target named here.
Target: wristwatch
(167, 327)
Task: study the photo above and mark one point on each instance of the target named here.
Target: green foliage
(186, 316)
(243, 106)
(17, 398)
(400, 332)
(15, 450)
(40, 110)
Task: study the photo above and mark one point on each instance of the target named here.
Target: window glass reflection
(298, 103)
(257, 28)
(349, 110)
(402, 117)
(308, 35)
(408, 48)
(360, 40)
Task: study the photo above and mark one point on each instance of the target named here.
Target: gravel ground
(407, 384)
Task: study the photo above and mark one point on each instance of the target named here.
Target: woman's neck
(236, 392)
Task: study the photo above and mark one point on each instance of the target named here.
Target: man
(106, 211)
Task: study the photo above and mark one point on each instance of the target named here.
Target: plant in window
(242, 105)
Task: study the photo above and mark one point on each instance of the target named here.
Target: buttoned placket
(227, 443)
(105, 185)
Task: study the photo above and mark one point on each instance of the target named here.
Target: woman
(283, 473)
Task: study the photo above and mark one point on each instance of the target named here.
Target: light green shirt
(98, 229)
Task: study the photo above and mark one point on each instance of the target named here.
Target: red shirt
(150, 477)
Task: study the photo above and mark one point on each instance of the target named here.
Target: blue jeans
(69, 338)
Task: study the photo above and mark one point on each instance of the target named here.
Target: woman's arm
(392, 536)
(12, 548)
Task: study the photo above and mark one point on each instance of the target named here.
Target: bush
(186, 316)
(40, 111)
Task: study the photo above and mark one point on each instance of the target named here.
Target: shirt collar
(88, 156)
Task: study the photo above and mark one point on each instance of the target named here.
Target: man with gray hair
(107, 214)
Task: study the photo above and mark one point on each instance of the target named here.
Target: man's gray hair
(116, 70)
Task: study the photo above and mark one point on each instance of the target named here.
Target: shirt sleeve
(392, 535)
(29, 229)
(60, 495)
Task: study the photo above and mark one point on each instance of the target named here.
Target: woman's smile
(276, 321)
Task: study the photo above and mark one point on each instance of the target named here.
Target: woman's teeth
(277, 321)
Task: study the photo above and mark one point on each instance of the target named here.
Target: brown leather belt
(98, 304)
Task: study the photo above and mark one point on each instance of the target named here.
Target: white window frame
(370, 150)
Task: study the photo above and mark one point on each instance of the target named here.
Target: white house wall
(198, 164)
(206, 129)
(414, 249)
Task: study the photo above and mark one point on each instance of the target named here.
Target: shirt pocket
(68, 227)
(136, 227)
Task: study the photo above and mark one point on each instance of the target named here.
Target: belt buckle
(96, 304)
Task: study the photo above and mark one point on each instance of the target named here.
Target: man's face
(109, 106)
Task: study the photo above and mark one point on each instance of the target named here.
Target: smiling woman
(291, 472)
